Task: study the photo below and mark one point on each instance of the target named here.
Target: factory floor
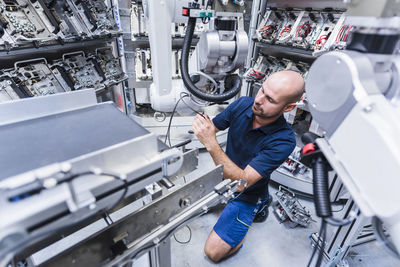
(267, 244)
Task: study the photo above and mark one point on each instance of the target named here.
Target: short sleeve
(223, 119)
(272, 156)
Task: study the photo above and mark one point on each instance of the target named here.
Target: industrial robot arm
(208, 73)
(354, 96)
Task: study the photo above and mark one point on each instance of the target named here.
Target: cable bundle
(254, 75)
(319, 42)
(303, 30)
(287, 30)
(343, 33)
(266, 31)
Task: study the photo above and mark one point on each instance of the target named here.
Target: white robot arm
(354, 96)
(220, 51)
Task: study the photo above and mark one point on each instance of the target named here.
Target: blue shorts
(234, 222)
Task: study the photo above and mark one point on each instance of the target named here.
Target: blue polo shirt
(264, 148)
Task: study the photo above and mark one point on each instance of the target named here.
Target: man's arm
(206, 131)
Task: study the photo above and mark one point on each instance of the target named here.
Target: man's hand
(205, 131)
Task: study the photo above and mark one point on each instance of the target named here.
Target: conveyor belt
(35, 143)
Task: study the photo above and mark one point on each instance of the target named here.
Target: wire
(339, 34)
(322, 248)
(182, 96)
(317, 242)
(207, 77)
(8, 255)
(168, 136)
(189, 239)
(286, 29)
(266, 30)
(319, 41)
(345, 37)
(306, 30)
(195, 111)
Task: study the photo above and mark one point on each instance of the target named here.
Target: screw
(368, 108)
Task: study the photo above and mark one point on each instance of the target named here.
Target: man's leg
(229, 231)
(217, 249)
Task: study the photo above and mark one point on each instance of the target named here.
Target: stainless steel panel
(30, 108)
(138, 224)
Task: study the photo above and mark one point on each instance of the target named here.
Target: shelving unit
(276, 55)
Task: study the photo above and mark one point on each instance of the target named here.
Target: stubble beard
(259, 112)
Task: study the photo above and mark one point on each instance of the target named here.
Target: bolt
(368, 108)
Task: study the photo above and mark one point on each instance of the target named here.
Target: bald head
(278, 94)
(288, 84)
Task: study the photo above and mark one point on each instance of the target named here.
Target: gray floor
(267, 244)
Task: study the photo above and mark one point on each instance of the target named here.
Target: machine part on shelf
(35, 77)
(143, 65)
(110, 66)
(45, 22)
(288, 208)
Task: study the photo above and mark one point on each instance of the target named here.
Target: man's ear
(289, 107)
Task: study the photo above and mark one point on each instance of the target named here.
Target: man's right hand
(205, 130)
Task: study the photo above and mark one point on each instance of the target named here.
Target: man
(259, 141)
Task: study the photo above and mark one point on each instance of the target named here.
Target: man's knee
(213, 253)
(215, 248)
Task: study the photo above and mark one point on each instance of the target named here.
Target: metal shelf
(294, 53)
(177, 42)
(50, 52)
(142, 83)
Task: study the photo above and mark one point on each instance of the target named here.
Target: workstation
(199, 133)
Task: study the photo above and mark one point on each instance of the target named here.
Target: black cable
(316, 243)
(321, 188)
(322, 248)
(191, 87)
(167, 136)
(182, 96)
(189, 239)
(195, 111)
(36, 237)
(123, 193)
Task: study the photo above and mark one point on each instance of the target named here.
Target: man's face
(268, 103)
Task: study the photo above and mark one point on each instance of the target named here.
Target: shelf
(294, 53)
(177, 42)
(142, 83)
(50, 52)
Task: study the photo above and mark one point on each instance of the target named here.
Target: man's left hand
(205, 130)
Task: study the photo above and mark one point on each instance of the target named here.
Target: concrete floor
(267, 244)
